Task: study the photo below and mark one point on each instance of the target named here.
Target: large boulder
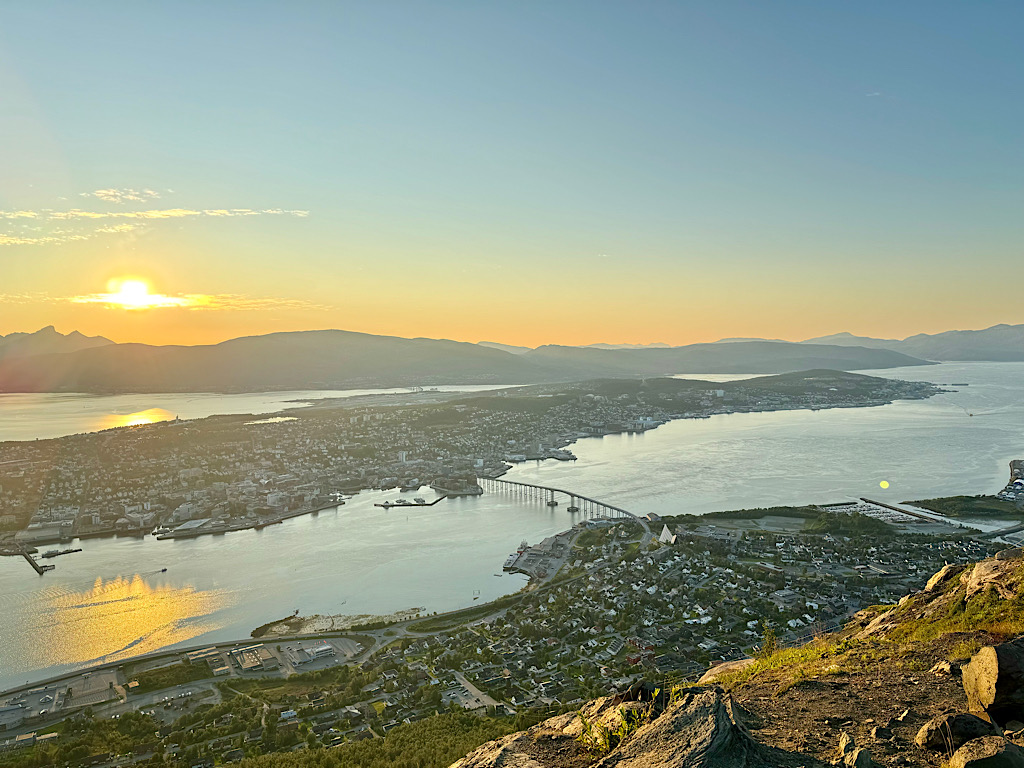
(943, 577)
(988, 752)
(994, 681)
(947, 733)
(1005, 574)
(725, 668)
(703, 729)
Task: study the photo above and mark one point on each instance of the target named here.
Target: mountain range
(334, 359)
(47, 341)
(998, 343)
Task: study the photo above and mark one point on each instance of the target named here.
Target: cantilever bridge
(583, 503)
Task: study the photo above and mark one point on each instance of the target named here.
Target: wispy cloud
(193, 301)
(41, 240)
(50, 226)
(122, 195)
(160, 213)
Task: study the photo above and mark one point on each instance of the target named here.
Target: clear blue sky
(511, 170)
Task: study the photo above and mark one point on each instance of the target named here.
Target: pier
(393, 504)
(577, 502)
(40, 569)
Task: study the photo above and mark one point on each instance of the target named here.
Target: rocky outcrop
(994, 681)
(725, 668)
(947, 733)
(1004, 573)
(988, 752)
(943, 577)
(702, 728)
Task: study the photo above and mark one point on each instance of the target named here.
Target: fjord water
(111, 601)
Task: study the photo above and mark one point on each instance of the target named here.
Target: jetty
(40, 569)
(393, 504)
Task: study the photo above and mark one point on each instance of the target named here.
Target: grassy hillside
(432, 743)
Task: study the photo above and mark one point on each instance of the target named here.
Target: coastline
(558, 442)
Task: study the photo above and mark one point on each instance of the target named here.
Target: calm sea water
(110, 601)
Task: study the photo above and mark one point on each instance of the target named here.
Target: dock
(392, 504)
(40, 569)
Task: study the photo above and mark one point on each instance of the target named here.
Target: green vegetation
(854, 524)
(435, 742)
(457, 618)
(599, 738)
(83, 736)
(805, 513)
(984, 612)
(167, 677)
(346, 682)
(970, 506)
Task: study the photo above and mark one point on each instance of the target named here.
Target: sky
(523, 172)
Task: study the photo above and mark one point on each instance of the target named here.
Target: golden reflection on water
(120, 618)
(148, 416)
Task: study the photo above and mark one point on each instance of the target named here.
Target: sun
(134, 293)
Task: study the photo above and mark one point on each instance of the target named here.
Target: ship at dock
(511, 560)
(59, 552)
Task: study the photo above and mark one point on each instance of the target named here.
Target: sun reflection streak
(122, 617)
(148, 416)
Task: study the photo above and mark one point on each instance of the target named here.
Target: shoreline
(560, 443)
(317, 627)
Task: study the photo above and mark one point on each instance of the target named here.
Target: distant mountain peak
(47, 341)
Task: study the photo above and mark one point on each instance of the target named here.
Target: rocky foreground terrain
(937, 680)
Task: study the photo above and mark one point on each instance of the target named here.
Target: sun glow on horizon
(132, 293)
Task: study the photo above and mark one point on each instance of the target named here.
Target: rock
(944, 668)
(858, 758)
(878, 733)
(943, 577)
(725, 668)
(503, 753)
(1004, 575)
(1014, 725)
(947, 733)
(994, 681)
(846, 744)
(988, 752)
(702, 730)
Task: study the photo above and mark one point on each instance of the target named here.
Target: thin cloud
(164, 213)
(121, 196)
(47, 226)
(42, 240)
(22, 298)
(195, 301)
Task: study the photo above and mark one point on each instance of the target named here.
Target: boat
(59, 552)
(163, 570)
(418, 500)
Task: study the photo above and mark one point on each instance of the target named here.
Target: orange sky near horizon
(527, 317)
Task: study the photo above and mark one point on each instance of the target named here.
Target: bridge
(577, 501)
